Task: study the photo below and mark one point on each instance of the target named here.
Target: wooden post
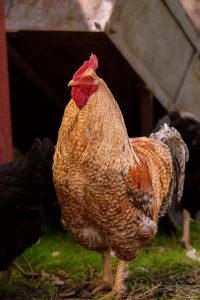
(5, 119)
(146, 112)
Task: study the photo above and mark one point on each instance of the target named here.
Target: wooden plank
(184, 22)
(151, 40)
(189, 96)
(70, 15)
(5, 119)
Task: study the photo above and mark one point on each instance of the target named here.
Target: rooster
(112, 189)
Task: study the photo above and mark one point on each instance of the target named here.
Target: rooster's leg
(186, 230)
(118, 286)
(107, 278)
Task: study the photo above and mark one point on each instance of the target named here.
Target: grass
(160, 271)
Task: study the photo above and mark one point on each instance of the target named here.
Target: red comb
(92, 64)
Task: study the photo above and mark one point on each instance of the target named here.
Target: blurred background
(148, 53)
(149, 56)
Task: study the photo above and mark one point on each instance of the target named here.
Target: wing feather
(149, 180)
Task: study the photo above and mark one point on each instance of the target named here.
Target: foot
(103, 287)
(118, 287)
(185, 242)
(114, 294)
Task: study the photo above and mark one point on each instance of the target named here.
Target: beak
(72, 82)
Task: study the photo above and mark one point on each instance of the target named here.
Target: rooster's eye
(89, 78)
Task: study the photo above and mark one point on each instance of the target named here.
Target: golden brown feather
(110, 188)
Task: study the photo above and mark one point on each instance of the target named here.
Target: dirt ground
(171, 285)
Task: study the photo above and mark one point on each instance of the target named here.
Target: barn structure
(148, 53)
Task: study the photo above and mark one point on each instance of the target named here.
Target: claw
(103, 287)
(113, 294)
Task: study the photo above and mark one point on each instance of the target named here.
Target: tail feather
(180, 155)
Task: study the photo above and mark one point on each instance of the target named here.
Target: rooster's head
(85, 81)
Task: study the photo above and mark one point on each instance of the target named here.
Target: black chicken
(25, 186)
(189, 127)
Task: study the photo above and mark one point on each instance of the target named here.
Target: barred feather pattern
(157, 158)
(142, 200)
(110, 188)
(180, 155)
(91, 164)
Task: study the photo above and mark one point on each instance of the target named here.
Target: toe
(103, 287)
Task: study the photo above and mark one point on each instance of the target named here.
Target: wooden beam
(6, 151)
(146, 112)
(20, 62)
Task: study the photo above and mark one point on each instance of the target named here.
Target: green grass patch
(160, 271)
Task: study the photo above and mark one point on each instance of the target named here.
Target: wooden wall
(5, 123)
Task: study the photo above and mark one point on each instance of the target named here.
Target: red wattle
(80, 95)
